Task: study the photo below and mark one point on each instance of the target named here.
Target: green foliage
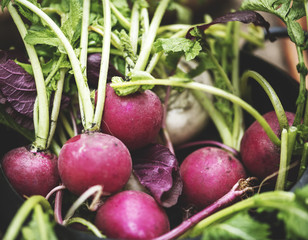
(240, 227)
(32, 230)
(287, 10)
(190, 49)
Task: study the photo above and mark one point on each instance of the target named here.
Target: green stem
(173, 28)
(39, 217)
(302, 96)
(67, 126)
(304, 161)
(61, 134)
(22, 214)
(221, 71)
(115, 40)
(42, 129)
(145, 22)
(54, 70)
(87, 224)
(96, 190)
(281, 179)
(238, 124)
(56, 106)
(277, 199)
(134, 27)
(122, 20)
(226, 46)
(216, 116)
(281, 115)
(208, 89)
(84, 35)
(102, 81)
(83, 88)
(54, 146)
(150, 37)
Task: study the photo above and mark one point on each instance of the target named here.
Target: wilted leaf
(246, 16)
(157, 169)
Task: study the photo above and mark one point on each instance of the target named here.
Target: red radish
(135, 119)
(259, 154)
(208, 174)
(92, 159)
(132, 215)
(31, 173)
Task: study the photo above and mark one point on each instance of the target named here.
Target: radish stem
(122, 20)
(102, 81)
(82, 86)
(22, 214)
(281, 179)
(87, 224)
(39, 217)
(150, 37)
(227, 199)
(281, 115)
(276, 199)
(209, 89)
(56, 107)
(42, 128)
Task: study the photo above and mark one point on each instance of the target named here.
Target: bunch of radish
(116, 147)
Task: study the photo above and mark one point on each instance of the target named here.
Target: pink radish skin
(132, 215)
(31, 173)
(94, 159)
(259, 155)
(135, 119)
(208, 174)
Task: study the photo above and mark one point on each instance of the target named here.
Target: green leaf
(296, 32)
(127, 49)
(239, 227)
(31, 16)
(42, 35)
(4, 3)
(71, 22)
(284, 9)
(295, 215)
(133, 76)
(32, 231)
(189, 48)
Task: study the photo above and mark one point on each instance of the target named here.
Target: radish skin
(31, 173)
(132, 215)
(94, 159)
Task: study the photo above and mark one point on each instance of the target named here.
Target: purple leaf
(94, 62)
(17, 87)
(157, 169)
(246, 16)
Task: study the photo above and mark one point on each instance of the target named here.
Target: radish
(31, 173)
(185, 116)
(131, 215)
(259, 154)
(135, 119)
(208, 174)
(92, 159)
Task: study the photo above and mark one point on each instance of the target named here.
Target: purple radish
(259, 154)
(132, 215)
(31, 173)
(135, 119)
(208, 174)
(92, 159)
